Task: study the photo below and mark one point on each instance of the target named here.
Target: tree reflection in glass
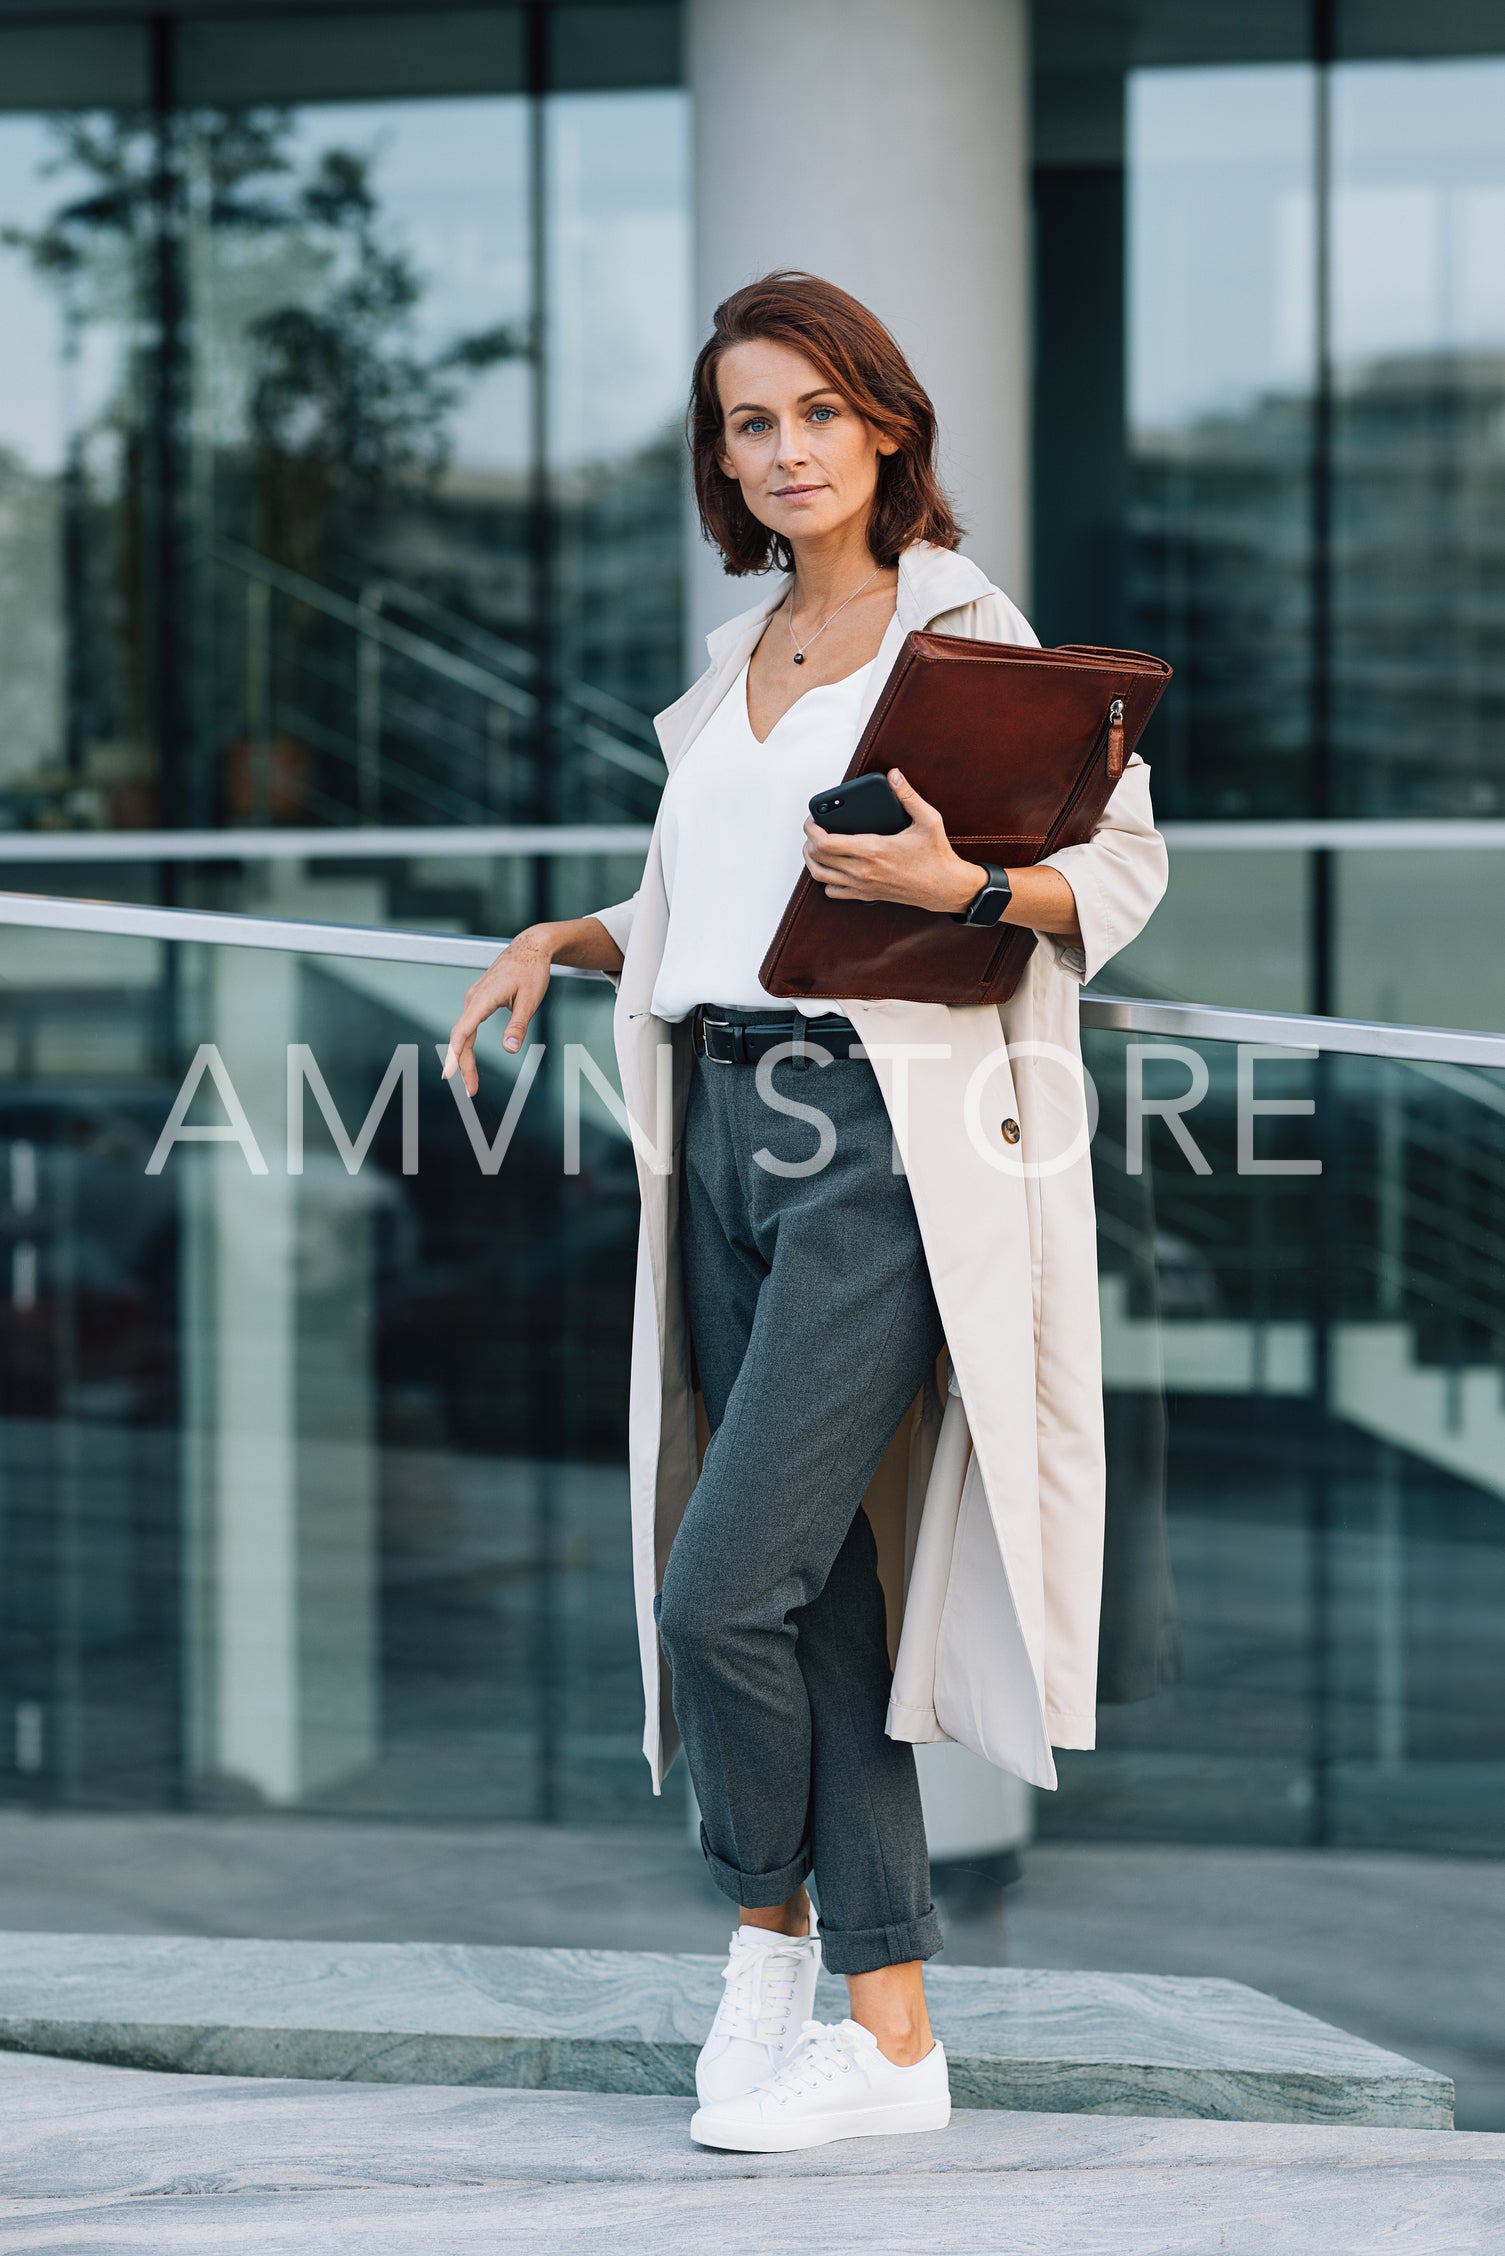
(287, 406)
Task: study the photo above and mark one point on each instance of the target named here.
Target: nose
(791, 446)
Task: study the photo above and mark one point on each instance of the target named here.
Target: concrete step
(632, 2021)
(116, 2162)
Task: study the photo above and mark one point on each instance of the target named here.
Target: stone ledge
(628, 2021)
(118, 2160)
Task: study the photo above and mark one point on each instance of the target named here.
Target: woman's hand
(918, 866)
(516, 981)
(921, 868)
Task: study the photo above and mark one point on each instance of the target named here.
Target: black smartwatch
(988, 905)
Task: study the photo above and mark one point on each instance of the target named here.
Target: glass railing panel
(1237, 925)
(1305, 1387)
(312, 1488)
(312, 1465)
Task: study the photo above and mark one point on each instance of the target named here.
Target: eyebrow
(751, 407)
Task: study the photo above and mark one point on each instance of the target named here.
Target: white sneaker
(836, 2084)
(769, 1995)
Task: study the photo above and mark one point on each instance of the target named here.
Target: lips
(795, 493)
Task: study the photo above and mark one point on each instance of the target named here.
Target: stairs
(1450, 1418)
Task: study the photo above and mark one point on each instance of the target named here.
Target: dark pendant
(799, 657)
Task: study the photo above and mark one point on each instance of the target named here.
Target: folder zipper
(1113, 732)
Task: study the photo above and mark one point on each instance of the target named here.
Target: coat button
(1011, 1131)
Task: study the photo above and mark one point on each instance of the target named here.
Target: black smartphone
(867, 803)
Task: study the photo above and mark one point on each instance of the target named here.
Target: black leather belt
(741, 1037)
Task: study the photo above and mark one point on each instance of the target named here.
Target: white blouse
(732, 836)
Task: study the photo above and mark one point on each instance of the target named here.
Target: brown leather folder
(1020, 750)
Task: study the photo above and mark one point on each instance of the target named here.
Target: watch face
(988, 905)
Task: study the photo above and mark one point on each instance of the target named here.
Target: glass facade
(1270, 376)
(1285, 346)
(339, 451)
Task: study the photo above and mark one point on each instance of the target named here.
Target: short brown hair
(858, 358)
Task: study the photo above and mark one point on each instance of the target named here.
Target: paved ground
(1406, 1951)
(115, 2162)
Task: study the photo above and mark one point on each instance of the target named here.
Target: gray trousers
(814, 1324)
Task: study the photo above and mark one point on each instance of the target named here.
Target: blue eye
(821, 411)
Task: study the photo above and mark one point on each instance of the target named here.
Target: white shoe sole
(857, 2122)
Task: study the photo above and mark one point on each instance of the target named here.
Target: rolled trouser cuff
(759, 1891)
(864, 1950)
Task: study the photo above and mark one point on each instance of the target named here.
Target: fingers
(510, 985)
(849, 852)
(866, 854)
(827, 873)
(919, 810)
(842, 884)
(461, 1044)
(460, 1057)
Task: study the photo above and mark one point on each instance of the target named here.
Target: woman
(814, 1240)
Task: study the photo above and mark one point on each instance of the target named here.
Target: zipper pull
(1116, 737)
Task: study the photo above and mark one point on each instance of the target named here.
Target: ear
(887, 445)
(723, 464)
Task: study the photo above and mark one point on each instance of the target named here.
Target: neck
(828, 566)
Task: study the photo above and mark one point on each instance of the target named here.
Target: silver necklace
(800, 649)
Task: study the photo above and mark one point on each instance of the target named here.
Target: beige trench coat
(989, 1506)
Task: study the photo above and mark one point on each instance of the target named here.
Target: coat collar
(931, 580)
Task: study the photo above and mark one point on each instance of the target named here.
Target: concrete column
(885, 146)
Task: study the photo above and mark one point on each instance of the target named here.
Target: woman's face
(805, 459)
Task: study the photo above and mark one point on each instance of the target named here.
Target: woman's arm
(1118, 875)
(922, 868)
(518, 979)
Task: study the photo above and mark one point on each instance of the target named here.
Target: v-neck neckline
(841, 683)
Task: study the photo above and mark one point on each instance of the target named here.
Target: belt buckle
(708, 1026)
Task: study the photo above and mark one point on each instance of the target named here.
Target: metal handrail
(348, 842)
(1211, 1022)
(1349, 1037)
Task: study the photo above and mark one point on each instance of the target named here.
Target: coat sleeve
(618, 920)
(1120, 873)
(1117, 877)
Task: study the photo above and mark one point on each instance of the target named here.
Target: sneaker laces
(759, 1995)
(825, 2050)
